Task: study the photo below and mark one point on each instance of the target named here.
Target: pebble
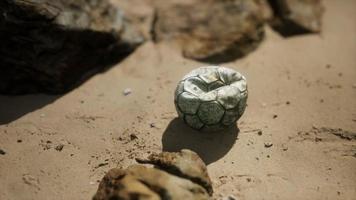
(59, 147)
(354, 86)
(268, 144)
(2, 152)
(127, 91)
(230, 197)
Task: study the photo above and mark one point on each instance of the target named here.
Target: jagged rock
(170, 179)
(294, 17)
(210, 30)
(186, 164)
(49, 45)
(118, 184)
(140, 182)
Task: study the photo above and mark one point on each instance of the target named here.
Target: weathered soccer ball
(211, 98)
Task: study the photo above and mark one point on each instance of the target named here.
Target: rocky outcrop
(176, 176)
(210, 30)
(293, 17)
(50, 45)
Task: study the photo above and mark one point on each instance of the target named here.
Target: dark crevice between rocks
(175, 171)
(163, 194)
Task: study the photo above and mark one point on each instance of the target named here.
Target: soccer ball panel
(195, 86)
(200, 70)
(229, 76)
(193, 121)
(228, 96)
(241, 85)
(230, 117)
(188, 103)
(215, 85)
(210, 96)
(179, 90)
(209, 77)
(210, 112)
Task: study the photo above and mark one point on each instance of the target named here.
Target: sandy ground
(296, 86)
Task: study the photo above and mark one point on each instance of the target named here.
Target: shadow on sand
(209, 146)
(13, 107)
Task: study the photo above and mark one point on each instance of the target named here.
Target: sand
(301, 91)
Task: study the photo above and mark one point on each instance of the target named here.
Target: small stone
(42, 115)
(2, 152)
(59, 147)
(133, 136)
(259, 132)
(288, 102)
(101, 165)
(354, 86)
(230, 197)
(19, 141)
(268, 144)
(275, 116)
(127, 91)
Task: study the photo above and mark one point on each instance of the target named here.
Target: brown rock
(210, 30)
(186, 164)
(117, 184)
(294, 17)
(50, 45)
(141, 183)
(176, 176)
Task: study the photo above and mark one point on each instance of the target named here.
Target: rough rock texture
(140, 182)
(118, 184)
(294, 17)
(210, 30)
(48, 45)
(186, 164)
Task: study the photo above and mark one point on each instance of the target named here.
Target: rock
(59, 147)
(2, 152)
(140, 182)
(117, 184)
(230, 197)
(50, 46)
(186, 164)
(293, 17)
(127, 91)
(210, 30)
(268, 144)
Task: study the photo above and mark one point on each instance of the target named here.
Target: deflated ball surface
(211, 98)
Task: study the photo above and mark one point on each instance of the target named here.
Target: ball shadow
(209, 146)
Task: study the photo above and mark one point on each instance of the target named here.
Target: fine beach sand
(302, 98)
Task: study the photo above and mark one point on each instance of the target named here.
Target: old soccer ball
(211, 98)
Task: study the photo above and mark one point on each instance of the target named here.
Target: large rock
(49, 45)
(293, 17)
(139, 182)
(212, 30)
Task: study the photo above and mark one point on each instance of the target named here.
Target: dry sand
(100, 128)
